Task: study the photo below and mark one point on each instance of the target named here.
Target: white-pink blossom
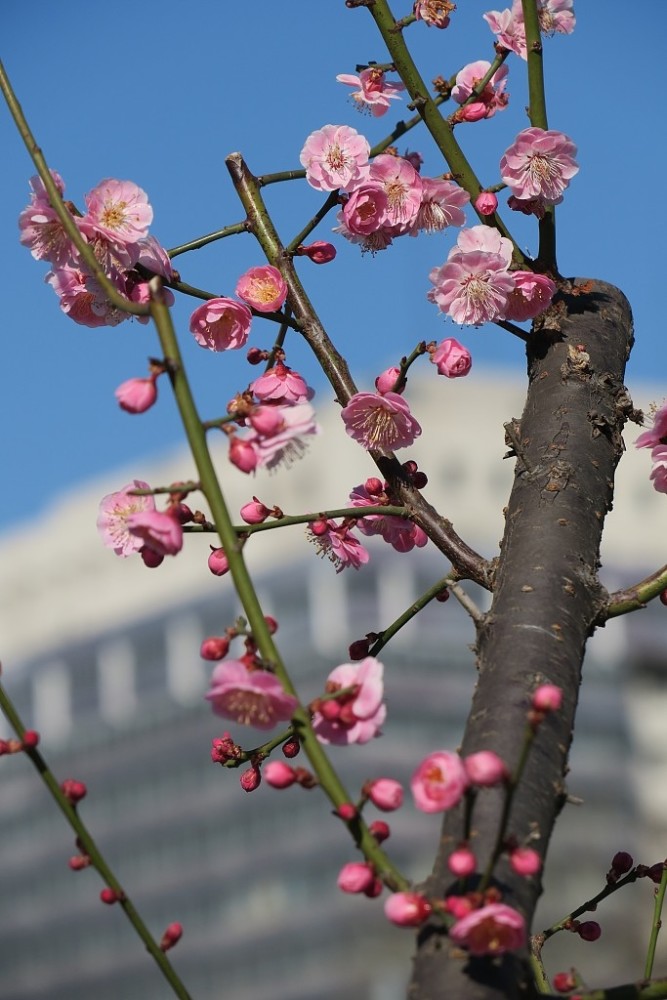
(375, 91)
(119, 210)
(434, 13)
(380, 421)
(539, 164)
(657, 434)
(360, 708)
(472, 288)
(335, 156)
(161, 532)
(486, 238)
(114, 511)
(338, 544)
(493, 97)
(250, 697)
(286, 445)
(441, 205)
(403, 187)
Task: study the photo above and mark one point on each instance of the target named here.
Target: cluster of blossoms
(115, 226)
(383, 199)
(398, 532)
(277, 414)
(475, 284)
(129, 523)
(223, 324)
(555, 16)
(490, 99)
(656, 440)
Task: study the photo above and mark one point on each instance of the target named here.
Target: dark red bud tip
(110, 896)
(30, 739)
(622, 862)
(271, 624)
(443, 595)
(563, 982)
(292, 748)
(171, 936)
(347, 811)
(589, 930)
(359, 649)
(663, 597)
(73, 790)
(380, 830)
(255, 356)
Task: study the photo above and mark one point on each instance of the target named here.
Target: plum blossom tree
(500, 793)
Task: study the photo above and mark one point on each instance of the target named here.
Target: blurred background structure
(102, 657)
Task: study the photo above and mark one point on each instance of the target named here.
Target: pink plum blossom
(399, 532)
(160, 532)
(539, 163)
(473, 288)
(335, 156)
(490, 930)
(658, 433)
(380, 421)
(82, 299)
(338, 544)
(281, 385)
(509, 28)
(375, 92)
(659, 472)
(262, 288)
(285, 446)
(407, 909)
(453, 360)
(153, 256)
(402, 186)
(40, 228)
(441, 205)
(485, 238)
(119, 210)
(243, 454)
(532, 294)
(361, 710)
(136, 395)
(356, 876)
(250, 697)
(114, 511)
(221, 324)
(365, 211)
(372, 242)
(434, 13)
(439, 782)
(493, 97)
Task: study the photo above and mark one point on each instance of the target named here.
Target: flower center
(335, 158)
(113, 215)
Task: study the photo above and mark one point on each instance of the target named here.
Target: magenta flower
(439, 782)
(162, 533)
(407, 909)
(380, 421)
(262, 288)
(250, 697)
(441, 205)
(434, 13)
(335, 156)
(338, 544)
(119, 210)
(281, 385)
(540, 164)
(357, 714)
(114, 511)
(452, 359)
(221, 324)
(401, 184)
(136, 395)
(657, 435)
(472, 288)
(491, 930)
(375, 92)
(493, 97)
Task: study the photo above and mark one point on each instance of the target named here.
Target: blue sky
(161, 94)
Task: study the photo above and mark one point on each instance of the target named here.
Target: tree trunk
(546, 599)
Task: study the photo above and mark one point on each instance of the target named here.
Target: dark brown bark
(546, 599)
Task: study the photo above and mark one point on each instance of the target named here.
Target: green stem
(232, 545)
(331, 202)
(202, 241)
(635, 597)
(87, 844)
(591, 904)
(656, 925)
(440, 129)
(58, 205)
(409, 613)
(537, 114)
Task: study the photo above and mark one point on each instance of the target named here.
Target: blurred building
(101, 656)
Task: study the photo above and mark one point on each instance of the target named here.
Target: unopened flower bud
(151, 558)
(486, 203)
(380, 830)
(564, 982)
(385, 793)
(255, 356)
(171, 936)
(215, 647)
(292, 748)
(443, 596)
(73, 790)
(357, 876)
(320, 252)
(462, 862)
(250, 779)
(319, 527)
(30, 739)
(359, 649)
(217, 562)
(242, 454)
(458, 906)
(407, 909)
(183, 513)
(110, 896)
(547, 698)
(386, 382)
(451, 358)
(347, 812)
(271, 624)
(136, 395)
(254, 512)
(79, 862)
(278, 774)
(485, 768)
(374, 889)
(622, 862)
(589, 930)
(525, 861)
